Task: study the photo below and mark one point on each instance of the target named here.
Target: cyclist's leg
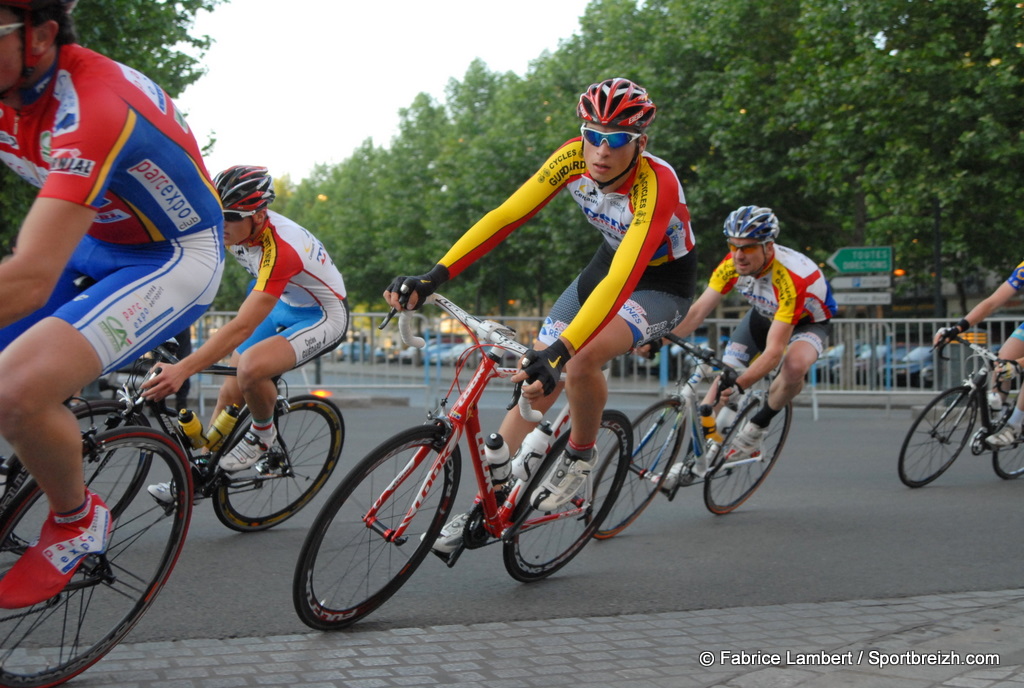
(644, 316)
(85, 338)
(1012, 349)
(288, 337)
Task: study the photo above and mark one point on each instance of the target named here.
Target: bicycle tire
(310, 437)
(51, 642)
(346, 569)
(728, 484)
(657, 437)
(538, 550)
(937, 436)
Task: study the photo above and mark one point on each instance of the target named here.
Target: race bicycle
(947, 424)
(671, 429)
(383, 519)
(310, 437)
(50, 642)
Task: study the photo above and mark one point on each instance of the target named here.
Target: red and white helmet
(616, 102)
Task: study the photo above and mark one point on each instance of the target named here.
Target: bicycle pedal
(449, 558)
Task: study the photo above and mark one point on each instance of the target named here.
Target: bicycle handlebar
(488, 331)
(706, 355)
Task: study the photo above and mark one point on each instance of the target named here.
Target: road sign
(862, 259)
(863, 298)
(862, 282)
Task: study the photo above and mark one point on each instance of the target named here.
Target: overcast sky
(293, 84)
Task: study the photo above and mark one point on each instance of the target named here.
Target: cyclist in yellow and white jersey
(789, 322)
(636, 288)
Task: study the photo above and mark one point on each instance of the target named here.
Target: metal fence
(887, 357)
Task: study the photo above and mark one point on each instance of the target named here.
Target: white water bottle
(532, 452)
(496, 457)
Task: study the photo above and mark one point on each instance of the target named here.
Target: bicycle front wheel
(310, 436)
(55, 640)
(375, 529)
(657, 436)
(547, 542)
(731, 482)
(937, 436)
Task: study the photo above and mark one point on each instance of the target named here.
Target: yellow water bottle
(191, 427)
(707, 421)
(221, 428)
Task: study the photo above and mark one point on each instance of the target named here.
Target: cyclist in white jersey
(295, 311)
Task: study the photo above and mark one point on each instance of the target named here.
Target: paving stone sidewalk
(963, 640)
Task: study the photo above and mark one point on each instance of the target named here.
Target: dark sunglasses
(614, 139)
(747, 248)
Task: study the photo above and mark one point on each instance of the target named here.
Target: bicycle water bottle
(707, 422)
(531, 453)
(222, 426)
(995, 401)
(497, 459)
(191, 427)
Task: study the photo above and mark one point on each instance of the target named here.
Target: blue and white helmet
(752, 222)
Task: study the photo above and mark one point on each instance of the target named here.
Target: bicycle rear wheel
(657, 436)
(55, 640)
(937, 436)
(349, 565)
(731, 482)
(310, 436)
(547, 542)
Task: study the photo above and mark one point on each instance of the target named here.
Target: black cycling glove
(946, 334)
(728, 379)
(422, 285)
(546, 366)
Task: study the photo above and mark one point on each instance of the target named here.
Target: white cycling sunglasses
(10, 28)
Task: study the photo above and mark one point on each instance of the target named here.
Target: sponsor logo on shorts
(116, 333)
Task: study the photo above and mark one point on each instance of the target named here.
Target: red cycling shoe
(48, 564)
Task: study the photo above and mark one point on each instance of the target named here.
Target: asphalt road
(832, 522)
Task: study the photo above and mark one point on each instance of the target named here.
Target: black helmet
(245, 189)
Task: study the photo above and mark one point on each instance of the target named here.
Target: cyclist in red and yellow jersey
(789, 322)
(637, 286)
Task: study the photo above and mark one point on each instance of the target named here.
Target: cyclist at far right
(1010, 353)
(789, 322)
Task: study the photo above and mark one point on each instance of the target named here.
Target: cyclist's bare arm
(254, 310)
(47, 238)
(700, 309)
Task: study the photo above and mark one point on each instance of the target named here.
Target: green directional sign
(862, 259)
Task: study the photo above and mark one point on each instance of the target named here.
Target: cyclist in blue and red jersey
(126, 206)
(789, 322)
(636, 287)
(1011, 355)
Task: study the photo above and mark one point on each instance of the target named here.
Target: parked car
(909, 369)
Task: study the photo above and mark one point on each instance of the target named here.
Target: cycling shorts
(1018, 333)
(140, 294)
(751, 336)
(307, 328)
(650, 314)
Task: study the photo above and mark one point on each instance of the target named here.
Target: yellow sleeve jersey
(791, 289)
(645, 222)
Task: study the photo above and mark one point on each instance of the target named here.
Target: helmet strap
(620, 175)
